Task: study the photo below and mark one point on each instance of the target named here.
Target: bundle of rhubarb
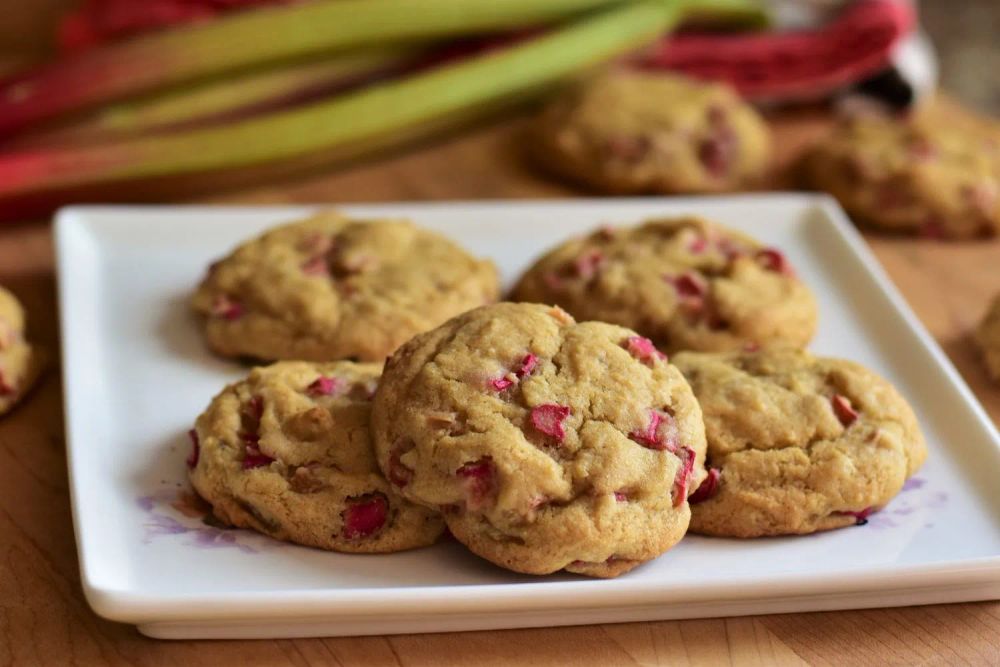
(242, 94)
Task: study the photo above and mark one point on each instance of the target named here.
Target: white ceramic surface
(137, 373)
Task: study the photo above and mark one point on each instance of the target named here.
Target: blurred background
(104, 93)
(964, 32)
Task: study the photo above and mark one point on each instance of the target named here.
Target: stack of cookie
(541, 442)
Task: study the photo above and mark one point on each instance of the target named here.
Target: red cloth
(797, 64)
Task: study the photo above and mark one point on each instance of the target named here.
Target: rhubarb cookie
(547, 444)
(331, 288)
(934, 174)
(987, 337)
(685, 283)
(796, 443)
(633, 132)
(20, 362)
(287, 452)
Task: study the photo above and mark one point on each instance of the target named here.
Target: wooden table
(44, 619)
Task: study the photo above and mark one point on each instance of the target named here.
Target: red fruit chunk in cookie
(365, 516)
(226, 308)
(588, 264)
(716, 153)
(6, 389)
(709, 487)
(6, 334)
(773, 260)
(548, 419)
(192, 459)
(254, 458)
(325, 386)
(528, 365)
(398, 473)
(860, 516)
(643, 349)
(501, 383)
(660, 433)
(315, 266)
(688, 285)
(683, 478)
(844, 410)
(629, 148)
(922, 149)
(256, 407)
(699, 245)
(553, 281)
(479, 483)
(621, 496)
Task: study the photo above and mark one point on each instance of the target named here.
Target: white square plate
(137, 373)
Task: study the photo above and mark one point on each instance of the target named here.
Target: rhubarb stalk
(344, 127)
(233, 98)
(254, 38)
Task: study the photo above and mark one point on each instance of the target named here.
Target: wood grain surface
(44, 619)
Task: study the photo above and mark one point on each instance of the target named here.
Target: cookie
(547, 444)
(20, 362)
(796, 443)
(287, 452)
(987, 337)
(331, 288)
(633, 132)
(683, 282)
(935, 174)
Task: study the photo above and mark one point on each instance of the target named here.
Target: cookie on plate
(936, 173)
(987, 337)
(331, 288)
(20, 362)
(796, 443)
(639, 132)
(685, 283)
(287, 452)
(548, 444)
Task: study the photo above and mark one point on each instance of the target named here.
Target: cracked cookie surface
(20, 362)
(330, 288)
(287, 452)
(636, 132)
(686, 283)
(548, 444)
(796, 443)
(936, 174)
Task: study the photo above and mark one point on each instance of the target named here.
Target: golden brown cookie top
(331, 288)
(287, 451)
(626, 131)
(798, 443)
(551, 444)
(935, 173)
(686, 283)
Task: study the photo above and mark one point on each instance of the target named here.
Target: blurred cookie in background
(640, 132)
(20, 362)
(935, 173)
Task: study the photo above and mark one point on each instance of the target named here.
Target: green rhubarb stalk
(350, 125)
(254, 38)
(206, 102)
